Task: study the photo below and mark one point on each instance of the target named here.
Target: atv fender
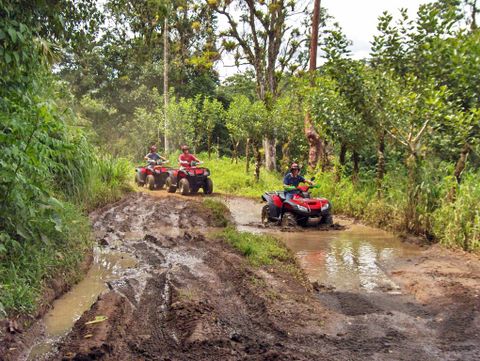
(275, 212)
(172, 175)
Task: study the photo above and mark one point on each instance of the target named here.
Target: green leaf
(13, 34)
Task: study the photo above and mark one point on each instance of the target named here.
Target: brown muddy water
(350, 259)
(107, 266)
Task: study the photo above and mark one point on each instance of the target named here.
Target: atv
(296, 211)
(153, 176)
(189, 180)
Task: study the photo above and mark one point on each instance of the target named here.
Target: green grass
(260, 250)
(28, 266)
(220, 212)
(231, 178)
(108, 180)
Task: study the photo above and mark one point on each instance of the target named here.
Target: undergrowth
(452, 223)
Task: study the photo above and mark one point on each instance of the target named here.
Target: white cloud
(359, 18)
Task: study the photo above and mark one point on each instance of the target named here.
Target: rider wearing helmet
(153, 155)
(292, 180)
(185, 159)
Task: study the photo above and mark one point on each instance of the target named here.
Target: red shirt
(187, 159)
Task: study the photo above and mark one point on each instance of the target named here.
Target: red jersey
(187, 159)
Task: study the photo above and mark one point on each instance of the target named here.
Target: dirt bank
(194, 298)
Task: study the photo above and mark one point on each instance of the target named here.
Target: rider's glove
(290, 188)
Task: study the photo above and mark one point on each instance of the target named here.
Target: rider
(185, 159)
(292, 180)
(153, 155)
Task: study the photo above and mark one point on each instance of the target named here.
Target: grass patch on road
(219, 211)
(260, 250)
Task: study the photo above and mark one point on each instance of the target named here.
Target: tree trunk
(339, 169)
(286, 160)
(412, 192)
(247, 155)
(209, 146)
(235, 151)
(324, 155)
(459, 168)
(313, 138)
(356, 168)
(165, 85)
(258, 161)
(380, 164)
(269, 145)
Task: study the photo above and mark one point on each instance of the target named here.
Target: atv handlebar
(292, 188)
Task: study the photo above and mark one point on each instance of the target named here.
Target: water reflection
(348, 260)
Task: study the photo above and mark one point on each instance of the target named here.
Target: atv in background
(153, 175)
(189, 180)
(296, 211)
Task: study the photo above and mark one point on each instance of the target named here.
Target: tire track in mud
(191, 297)
(194, 298)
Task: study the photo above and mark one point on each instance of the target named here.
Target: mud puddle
(350, 259)
(107, 266)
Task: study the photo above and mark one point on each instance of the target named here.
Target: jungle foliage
(81, 85)
(47, 165)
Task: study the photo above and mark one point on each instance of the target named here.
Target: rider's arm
(195, 159)
(307, 181)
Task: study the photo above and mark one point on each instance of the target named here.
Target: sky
(358, 18)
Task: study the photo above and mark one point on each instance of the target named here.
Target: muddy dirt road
(188, 296)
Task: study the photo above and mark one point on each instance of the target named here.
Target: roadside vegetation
(50, 174)
(260, 250)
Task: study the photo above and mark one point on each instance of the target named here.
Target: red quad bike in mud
(189, 180)
(153, 176)
(296, 211)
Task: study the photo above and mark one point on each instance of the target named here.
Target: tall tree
(314, 140)
(265, 35)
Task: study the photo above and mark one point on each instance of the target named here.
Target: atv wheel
(184, 186)
(208, 186)
(265, 213)
(170, 187)
(151, 182)
(137, 180)
(302, 221)
(288, 220)
(327, 219)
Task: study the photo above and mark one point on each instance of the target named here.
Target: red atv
(189, 180)
(296, 211)
(153, 175)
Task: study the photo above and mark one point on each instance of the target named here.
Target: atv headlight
(325, 207)
(302, 208)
